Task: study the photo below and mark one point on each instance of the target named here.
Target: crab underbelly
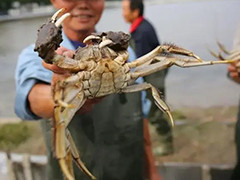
(107, 83)
(107, 78)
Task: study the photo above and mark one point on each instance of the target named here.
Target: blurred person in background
(144, 40)
(234, 74)
(109, 132)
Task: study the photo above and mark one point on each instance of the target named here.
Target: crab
(99, 69)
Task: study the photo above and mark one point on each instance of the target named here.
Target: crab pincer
(50, 36)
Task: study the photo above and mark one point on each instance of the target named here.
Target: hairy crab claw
(50, 36)
(117, 41)
(91, 38)
(58, 22)
(55, 15)
(179, 51)
(105, 42)
(61, 19)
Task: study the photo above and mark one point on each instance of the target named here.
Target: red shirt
(136, 23)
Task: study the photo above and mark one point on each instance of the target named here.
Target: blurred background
(204, 100)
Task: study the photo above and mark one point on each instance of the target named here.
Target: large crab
(99, 69)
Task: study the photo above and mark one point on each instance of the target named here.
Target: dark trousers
(236, 171)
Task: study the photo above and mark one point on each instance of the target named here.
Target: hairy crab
(100, 69)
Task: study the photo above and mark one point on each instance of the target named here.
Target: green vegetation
(178, 114)
(12, 135)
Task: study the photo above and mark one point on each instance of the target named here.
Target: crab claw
(50, 36)
(55, 15)
(90, 38)
(61, 19)
(117, 41)
(105, 42)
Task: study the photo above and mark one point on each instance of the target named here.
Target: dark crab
(100, 69)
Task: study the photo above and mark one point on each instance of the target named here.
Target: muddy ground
(201, 135)
(204, 136)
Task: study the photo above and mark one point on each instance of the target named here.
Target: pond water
(193, 25)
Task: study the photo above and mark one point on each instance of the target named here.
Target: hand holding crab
(97, 70)
(61, 74)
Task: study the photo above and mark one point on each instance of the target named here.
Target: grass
(22, 137)
(12, 135)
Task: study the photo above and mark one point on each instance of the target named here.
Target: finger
(234, 74)
(61, 50)
(65, 52)
(68, 53)
(238, 64)
(237, 79)
(53, 68)
(232, 68)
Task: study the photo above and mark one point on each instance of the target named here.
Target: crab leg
(68, 63)
(235, 55)
(157, 99)
(70, 112)
(191, 63)
(60, 146)
(167, 62)
(150, 68)
(74, 98)
(68, 157)
(76, 156)
(167, 49)
(62, 117)
(61, 151)
(218, 56)
(222, 48)
(72, 102)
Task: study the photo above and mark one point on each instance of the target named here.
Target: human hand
(61, 74)
(234, 71)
